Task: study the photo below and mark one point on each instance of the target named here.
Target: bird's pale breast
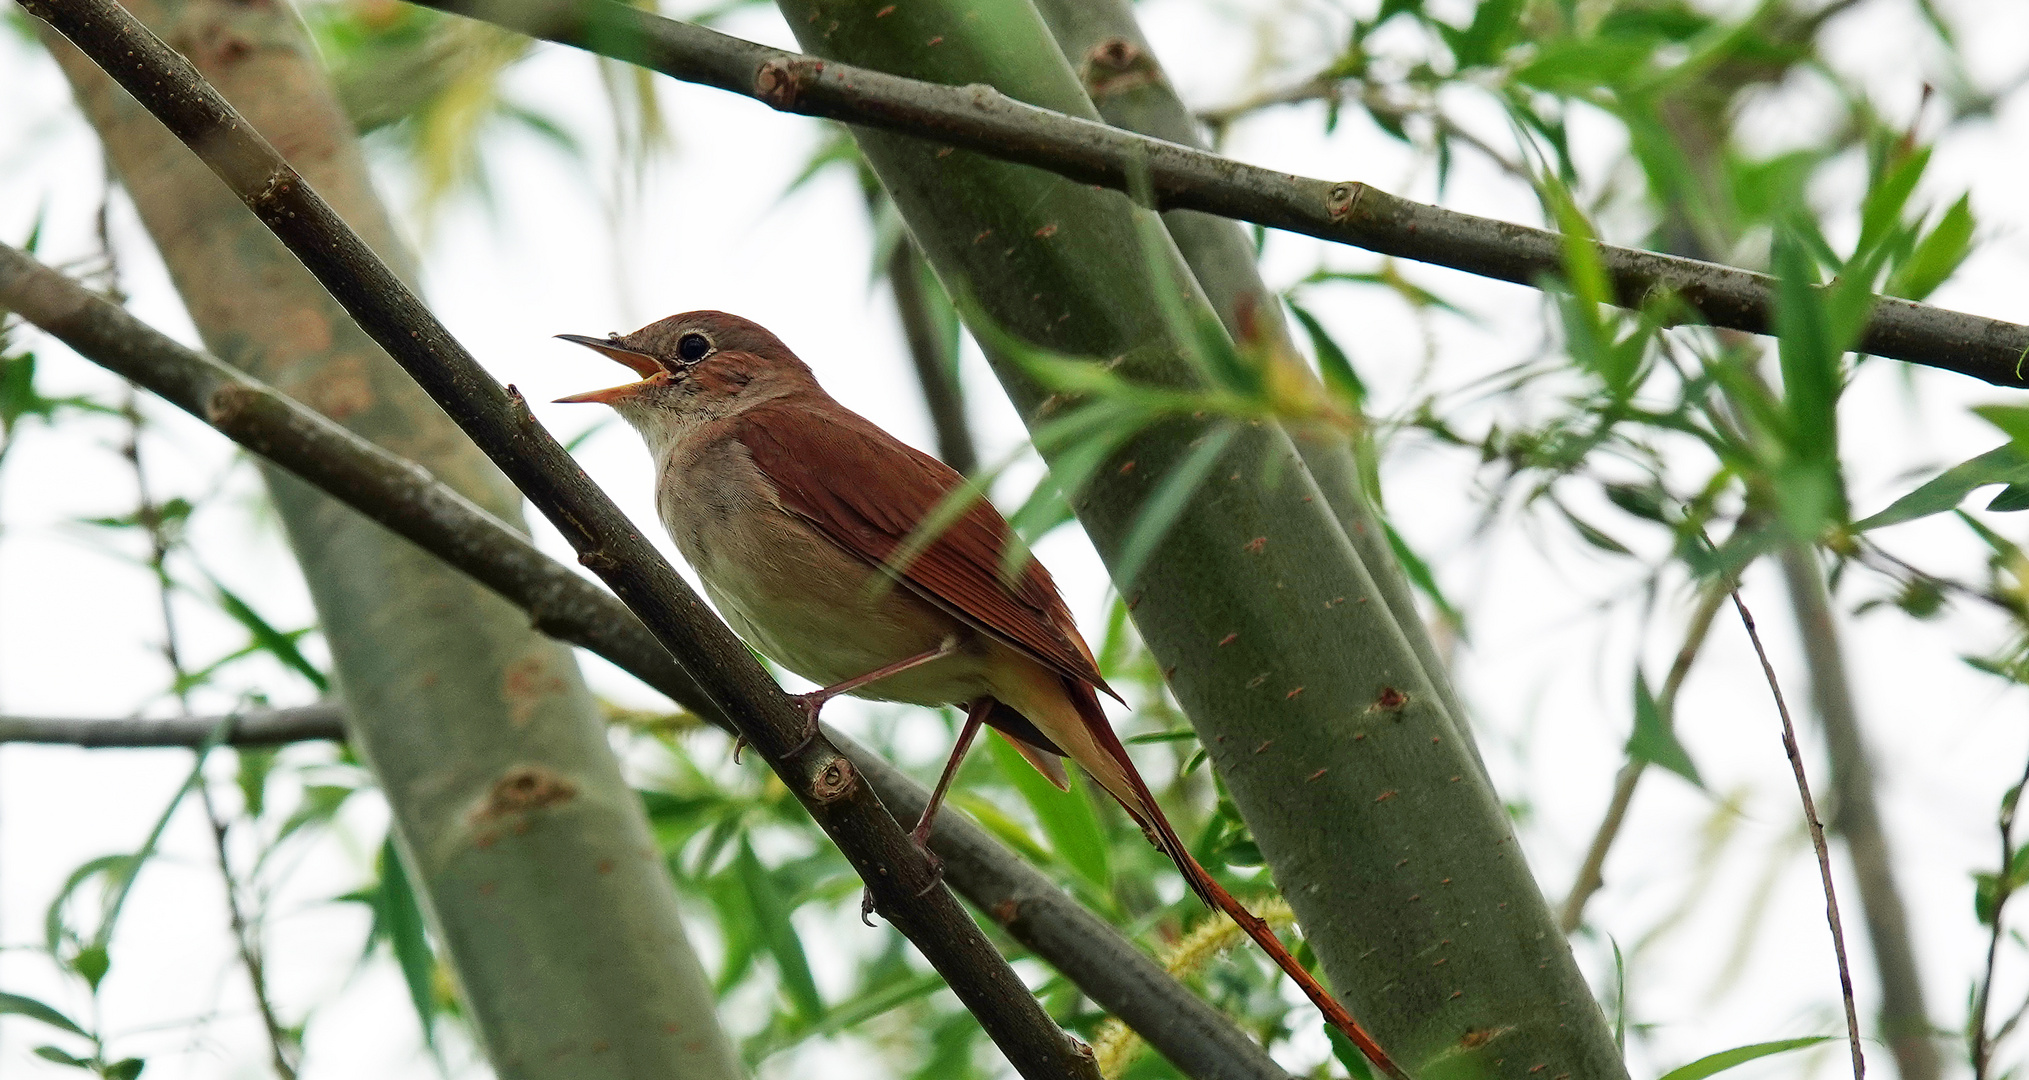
(796, 596)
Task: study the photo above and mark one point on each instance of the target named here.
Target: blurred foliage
(1622, 435)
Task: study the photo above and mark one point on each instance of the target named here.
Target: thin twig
(1796, 764)
(267, 727)
(1982, 1047)
(981, 119)
(1591, 877)
(161, 541)
(401, 496)
(897, 872)
(280, 1042)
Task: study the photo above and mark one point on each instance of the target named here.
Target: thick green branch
(982, 119)
(899, 879)
(403, 497)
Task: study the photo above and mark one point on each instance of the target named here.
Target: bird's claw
(811, 704)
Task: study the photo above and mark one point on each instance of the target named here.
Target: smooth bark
(402, 497)
(1398, 859)
(900, 881)
(982, 119)
(554, 911)
(1127, 85)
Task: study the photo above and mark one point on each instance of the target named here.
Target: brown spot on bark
(1047, 231)
(938, 40)
(885, 12)
(983, 234)
(1385, 796)
(1257, 680)
(1391, 700)
(1292, 693)
(1255, 545)
(1126, 468)
(946, 151)
(1314, 776)
(342, 390)
(1265, 744)
(522, 789)
(605, 866)
(1117, 65)
(488, 888)
(1229, 639)
(1005, 912)
(528, 683)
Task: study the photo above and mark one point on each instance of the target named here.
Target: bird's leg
(814, 701)
(975, 715)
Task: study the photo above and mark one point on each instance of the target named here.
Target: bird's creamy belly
(801, 600)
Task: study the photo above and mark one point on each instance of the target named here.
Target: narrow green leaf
(1712, 1064)
(62, 1057)
(1590, 533)
(19, 1005)
(1166, 503)
(1004, 828)
(2004, 464)
(1938, 255)
(125, 1069)
(276, 643)
(1421, 576)
(91, 964)
(1654, 740)
(866, 1006)
(400, 917)
(1066, 816)
(771, 912)
(1332, 361)
(2011, 498)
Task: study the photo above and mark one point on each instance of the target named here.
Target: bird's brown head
(699, 362)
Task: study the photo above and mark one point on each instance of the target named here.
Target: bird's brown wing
(832, 478)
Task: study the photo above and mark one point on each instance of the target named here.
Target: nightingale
(799, 517)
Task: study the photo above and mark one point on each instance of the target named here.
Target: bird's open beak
(641, 363)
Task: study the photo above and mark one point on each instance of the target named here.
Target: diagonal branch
(899, 878)
(1817, 829)
(981, 119)
(401, 496)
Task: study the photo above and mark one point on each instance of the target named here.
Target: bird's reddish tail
(1150, 816)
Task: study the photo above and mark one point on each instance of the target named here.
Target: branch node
(777, 84)
(1339, 202)
(835, 783)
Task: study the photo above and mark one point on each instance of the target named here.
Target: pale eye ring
(693, 347)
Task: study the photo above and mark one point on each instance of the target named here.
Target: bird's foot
(811, 704)
(739, 744)
(921, 837)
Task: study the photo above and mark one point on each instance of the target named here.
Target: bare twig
(1591, 877)
(981, 119)
(1796, 764)
(1982, 1046)
(898, 875)
(161, 540)
(267, 727)
(281, 1044)
(1856, 818)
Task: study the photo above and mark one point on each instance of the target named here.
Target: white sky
(1546, 674)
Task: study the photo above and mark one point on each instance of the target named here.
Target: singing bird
(791, 508)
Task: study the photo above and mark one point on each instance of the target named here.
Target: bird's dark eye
(692, 347)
